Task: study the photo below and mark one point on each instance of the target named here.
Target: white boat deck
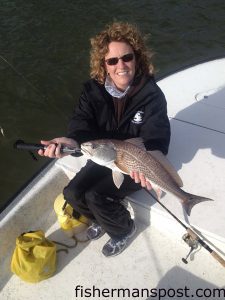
(196, 105)
(152, 261)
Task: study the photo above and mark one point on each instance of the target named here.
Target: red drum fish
(130, 155)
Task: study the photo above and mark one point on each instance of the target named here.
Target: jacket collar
(112, 89)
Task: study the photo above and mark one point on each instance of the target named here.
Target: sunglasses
(114, 60)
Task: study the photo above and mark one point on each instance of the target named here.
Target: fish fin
(158, 193)
(121, 168)
(156, 188)
(117, 178)
(193, 199)
(162, 159)
(137, 142)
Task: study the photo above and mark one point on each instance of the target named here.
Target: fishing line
(33, 87)
(24, 78)
(195, 124)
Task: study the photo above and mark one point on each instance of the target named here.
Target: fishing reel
(192, 243)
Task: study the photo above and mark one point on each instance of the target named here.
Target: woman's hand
(54, 147)
(140, 178)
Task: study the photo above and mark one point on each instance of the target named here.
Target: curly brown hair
(119, 32)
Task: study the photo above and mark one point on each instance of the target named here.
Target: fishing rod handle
(31, 147)
(28, 146)
(218, 258)
(211, 251)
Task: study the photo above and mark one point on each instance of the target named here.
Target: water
(44, 48)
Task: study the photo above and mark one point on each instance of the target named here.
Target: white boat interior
(196, 108)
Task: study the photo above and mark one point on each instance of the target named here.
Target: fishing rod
(191, 238)
(21, 145)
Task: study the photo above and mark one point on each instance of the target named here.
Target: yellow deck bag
(70, 225)
(34, 257)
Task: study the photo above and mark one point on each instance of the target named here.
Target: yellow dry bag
(70, 225)
(34, 257)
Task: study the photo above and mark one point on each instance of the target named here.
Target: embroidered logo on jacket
(138, 117)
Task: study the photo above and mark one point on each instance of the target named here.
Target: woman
(120, 101)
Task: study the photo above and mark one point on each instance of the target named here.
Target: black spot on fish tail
(188, 205)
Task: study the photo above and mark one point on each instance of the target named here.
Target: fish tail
(192, 200)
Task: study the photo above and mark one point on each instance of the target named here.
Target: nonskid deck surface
(152, 261)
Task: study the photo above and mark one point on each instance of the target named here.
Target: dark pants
(93, 194)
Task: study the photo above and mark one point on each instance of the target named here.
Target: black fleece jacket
(145, 115)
